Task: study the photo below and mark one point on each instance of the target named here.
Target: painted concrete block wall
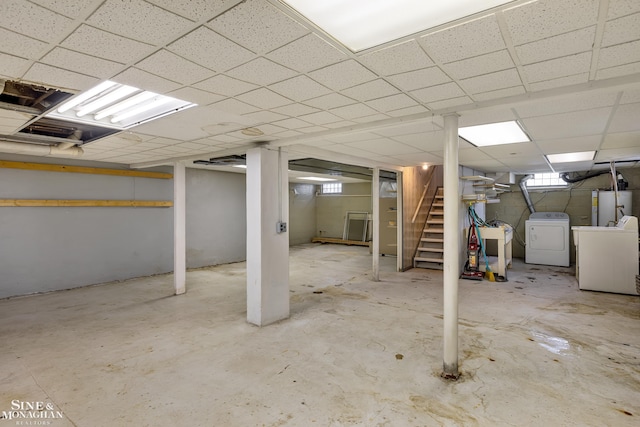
(302, 213)
(216, 217)
(332, 209)
(50, 248)
(575, 201)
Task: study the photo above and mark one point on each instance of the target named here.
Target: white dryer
(547, 239)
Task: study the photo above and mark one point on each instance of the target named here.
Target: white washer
(547, 239)
(607, 257)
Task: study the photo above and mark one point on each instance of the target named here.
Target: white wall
(302, 213)
(45, 248)
(332, 208)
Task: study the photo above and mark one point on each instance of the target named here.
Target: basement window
(546, 180)
(332, 188)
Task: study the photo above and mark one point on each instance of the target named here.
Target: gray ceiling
(569, 70)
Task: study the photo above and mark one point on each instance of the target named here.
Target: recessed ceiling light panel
(494, 134)
(316, 178)
(361, 24)
(118, 106)
(581, 156)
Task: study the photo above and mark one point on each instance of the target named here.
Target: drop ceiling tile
(437, 93)
(415, 127)
(102, 44)
(408, 111)
(211, 50)
(270, 129)
(307, 53)
(173, 67)
(34, 21)
(420, 78)
(621, 140)
(225, 85)
(143, 80)
(556, 68)
(547, 18)
(630, 96)
(483, 64)
(332, 100)
(521, 164)
(351, 137)
(258, 26)
(195, 10)
(490, 166)
(313, 129)
(69, 8)
(617, 154)
(500, 93)
(19, 45)
(320, 118)
(354, 111)
(566, 104)
(196, 96)
(626, 119)
(371, 90)
(420, 158)
(371, 118)
(619, 55)
(563, 81)
(618, 8)
(473, 38)
(343, 75)
(81, 63)
(288, 134)
(340, 124)
(346, 149)
(263, 98)
(622, 70)
(569, 145)
(563, 125)
(295, 110)
(621, 30)
(138, 20)
(384, 146)
(291, 123)
(13, 66)
(482, 117)
(261, 71)
(407, 56)
(393, 102)
(265, 116)
(300, 88)
(507, 151)
(557, 46)
(493, 81)
(234, 106)
(448, 103)
(57, 77)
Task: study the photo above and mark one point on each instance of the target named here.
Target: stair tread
(432, 240)
(435, 221)
(423, 249)
(436, 213)
(434, 260)
(433, 230)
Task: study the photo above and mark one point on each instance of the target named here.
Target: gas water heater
(603, 207)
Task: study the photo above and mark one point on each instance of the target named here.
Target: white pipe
(451, 247)
(375, 197)
(39, 150)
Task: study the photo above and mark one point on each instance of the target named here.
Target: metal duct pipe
(39, 150)
(565, 176)
(525, 192)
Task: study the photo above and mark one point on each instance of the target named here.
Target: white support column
(267, 246)
(451, 246)
(375, 198)
(399, 221)
(179, 229)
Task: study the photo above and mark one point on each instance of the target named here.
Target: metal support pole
(179, 229)
(451, 246)
(375, 198)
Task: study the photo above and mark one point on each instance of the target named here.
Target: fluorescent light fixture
(316, 178)
(581, 156)
(361, 24)
(240, 166)
(494, 134)
(118, 106)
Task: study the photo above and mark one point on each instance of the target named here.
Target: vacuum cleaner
(472, 268)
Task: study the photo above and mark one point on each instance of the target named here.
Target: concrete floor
(534, 351)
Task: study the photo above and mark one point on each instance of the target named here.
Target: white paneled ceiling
(568, 70)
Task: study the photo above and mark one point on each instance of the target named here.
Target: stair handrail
(424, 193)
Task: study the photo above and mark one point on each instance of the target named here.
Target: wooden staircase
(431, 248)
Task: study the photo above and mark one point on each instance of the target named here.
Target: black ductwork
(565, 176)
